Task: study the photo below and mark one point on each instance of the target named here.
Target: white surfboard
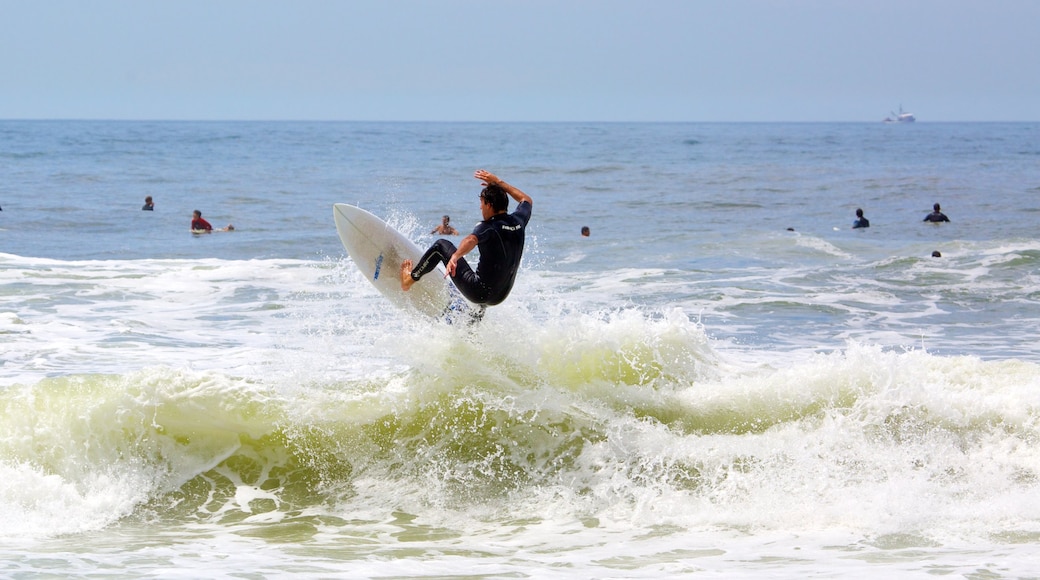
(378, 251)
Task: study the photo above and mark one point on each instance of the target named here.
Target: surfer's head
(496, 197)
(935, 207)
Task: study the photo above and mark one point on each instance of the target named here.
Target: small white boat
(901, 117)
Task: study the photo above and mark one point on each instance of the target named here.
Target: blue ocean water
(725, 379)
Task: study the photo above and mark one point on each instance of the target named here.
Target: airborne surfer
(500, 238)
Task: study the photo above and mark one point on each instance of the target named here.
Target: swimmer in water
(936, 216)
(861, 222)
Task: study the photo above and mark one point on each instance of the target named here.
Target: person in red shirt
(200, 225)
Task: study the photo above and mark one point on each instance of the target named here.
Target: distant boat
(901, 117)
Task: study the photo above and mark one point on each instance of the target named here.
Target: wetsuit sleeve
(523, 211)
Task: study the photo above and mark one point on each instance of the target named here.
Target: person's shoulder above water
(936, 216)
(445, 228)
(861, 222)
(148, 205)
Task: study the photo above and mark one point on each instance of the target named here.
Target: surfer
(861, 222)
(585, 231)
(200, 225)
(936, 215)
(445, 229)
(148, 205)
(500, 238)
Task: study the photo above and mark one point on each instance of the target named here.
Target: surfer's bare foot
(406, 275)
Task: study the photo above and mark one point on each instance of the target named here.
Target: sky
(520, 60)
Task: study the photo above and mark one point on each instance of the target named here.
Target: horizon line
(481, 121)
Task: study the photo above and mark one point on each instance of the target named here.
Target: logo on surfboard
(379, 266)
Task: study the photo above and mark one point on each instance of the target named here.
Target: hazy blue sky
(521, 60)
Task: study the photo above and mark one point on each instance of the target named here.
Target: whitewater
(723, 380)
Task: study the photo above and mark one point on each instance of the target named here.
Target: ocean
(723, 381)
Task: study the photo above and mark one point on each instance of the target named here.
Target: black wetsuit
(500, 240)
(936, 216)
(861, 223)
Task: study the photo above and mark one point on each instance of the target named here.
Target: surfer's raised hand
(487, 177)
(491, 179)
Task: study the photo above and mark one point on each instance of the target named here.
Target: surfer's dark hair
(496, 197)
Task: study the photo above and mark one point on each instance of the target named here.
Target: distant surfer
(936, 216)
(445, 229)
(861, 222)
(199, 225)
(585, 232)
(148, 205)
(500, 238)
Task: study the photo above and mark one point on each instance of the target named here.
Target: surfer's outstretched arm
(465, 246)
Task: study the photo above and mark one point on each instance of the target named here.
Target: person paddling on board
(500, 238)
(199, 225)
